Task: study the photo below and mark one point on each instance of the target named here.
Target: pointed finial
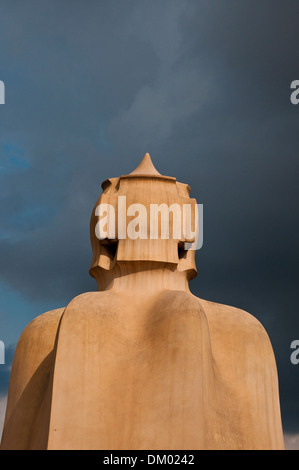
(146, 167)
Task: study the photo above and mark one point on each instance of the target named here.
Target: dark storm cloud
(204, 87)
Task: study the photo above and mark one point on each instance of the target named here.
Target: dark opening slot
(181, 250)
(110, 247)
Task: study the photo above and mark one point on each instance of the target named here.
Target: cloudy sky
(204, 87)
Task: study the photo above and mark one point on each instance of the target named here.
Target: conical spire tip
(146, 167)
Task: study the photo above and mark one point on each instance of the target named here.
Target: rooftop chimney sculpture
(142, 363)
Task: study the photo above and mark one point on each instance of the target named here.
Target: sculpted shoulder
(36, 342)
(247, 374)
(226, 318)
(237, 337)
(34, 348)
(42, 328)
(91, 300)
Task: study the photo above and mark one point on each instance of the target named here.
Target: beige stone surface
(142, 363)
